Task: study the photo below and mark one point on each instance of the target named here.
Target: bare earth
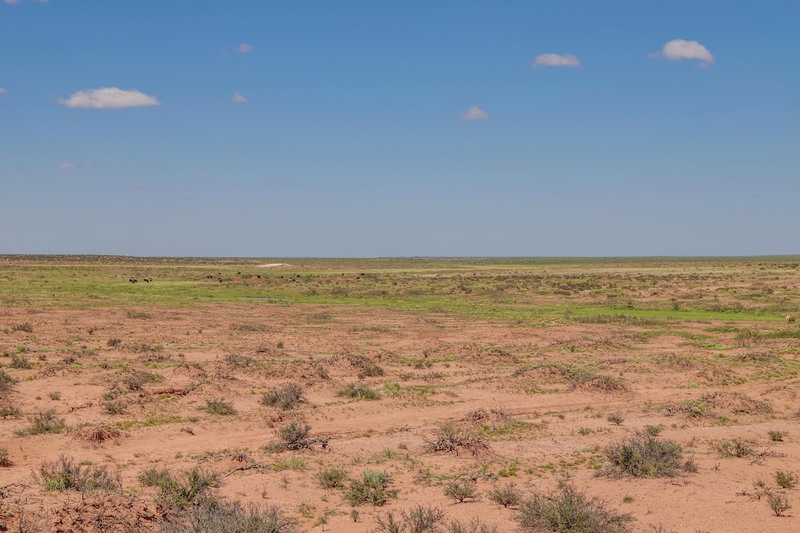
(496, 378)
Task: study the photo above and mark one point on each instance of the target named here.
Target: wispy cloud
(3, 90)
(244, 48)
(109, 98)
(67, 165)
(556, 60)
(474, 113)
(238, 99)
(678, 49)
(19, 1)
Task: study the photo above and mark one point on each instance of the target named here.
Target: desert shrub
(372, 488)
(25, 326)
(643, 455)
(115, 407)
(452, 438)
(179, 492)
(287, 396)
(239, 361)
(230, 518)
(132, 313)
(776, 436)
(507, 496)
(10, 411)
(44, 422)
(294, 436)
(779, 503)
(19, 361)
(4, 460)
(654, 431)
(6, 382)
(55, 396)
(136, 380)
(419, 519)
(113, 343)
(292, 463)
(97, 433)
(615, 418)
(358, 391)
(787, 480)
(220, 407)
(332, 478)
(735, 448)
(460, 490)
(65, 474)
(473, 526)
(567, 510)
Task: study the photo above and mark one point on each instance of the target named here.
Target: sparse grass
(569, 511)
(65, 474)
(220, 407)
(372, 488)
(643, 455)
(287, 396)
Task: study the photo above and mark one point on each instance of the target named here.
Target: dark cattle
(220, 280)
(789, 319)
(132, 280)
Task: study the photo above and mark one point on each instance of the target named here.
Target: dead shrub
(453, 438)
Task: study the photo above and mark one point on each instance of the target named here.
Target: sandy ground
(541, 428)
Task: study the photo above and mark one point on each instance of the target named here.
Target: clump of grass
(115, 407)
(779, 503)
(776, 436)
(4, 460)
(239, 361)
(453, 438)
(786, 480)
(460, 490)
(332, 478)
(136, 380)
(6, 382)
(177, 492)
(643, 455)
(420, 519)
(358, 391)
(220, 407)
(507, 495)
(44, 422)
(55, 396)
(735, 448)
(569, 511)
(141, 315)
(20, 362)
(216, 517)
(294, 437)
(113, 342)
(287, 396)
(65, 474)
(97, 433)
(372, 488)
(10, 411)
(292, 463)
(473, 526)
(25, 326)
(615, 418)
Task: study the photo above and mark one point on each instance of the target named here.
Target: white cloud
(239, 99)
(679, 49)
(3, 90)
(556, 60)
(12, 1)
(109, 98)
(244, 48)
(474, 113)
(66, 165)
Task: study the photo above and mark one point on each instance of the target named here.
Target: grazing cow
(148, 280)
(789, 319)
(132, 280)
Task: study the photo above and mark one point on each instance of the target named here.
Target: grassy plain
(421, 385)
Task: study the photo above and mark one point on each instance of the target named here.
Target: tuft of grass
(615, 418)
(287, 396)
(332, 478)
(567, 510)
(643, 455)
(220, 407)
(372, 488)
(776, 436)
(25, 326)
(292, 463)
(44, 422)
(65, 474)
(20, 362)
(97, 433)
(779, 503)
(786, 480)
(358, 391)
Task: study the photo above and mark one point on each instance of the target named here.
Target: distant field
(665, 387)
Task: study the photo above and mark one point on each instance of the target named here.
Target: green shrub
(332, 478)
(507, 496)
(735, 448)
(358, 391)
(65, 474)
(419, 519)
(44, 422)
(473, 526)
(19, 361)
(566, 510)
(460, 490)
(220, 407)
(292, 463)
(179, 492)
(287, 396)
(115, 407)
(294, 436)
(615, 418)
(787, 480)
(372, 488)
(643, 455)
(779, 503)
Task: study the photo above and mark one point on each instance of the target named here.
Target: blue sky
(397, 128)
